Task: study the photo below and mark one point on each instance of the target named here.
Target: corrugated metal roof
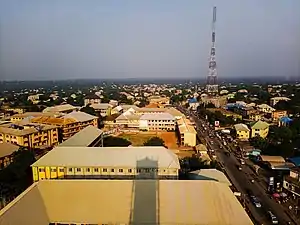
(7, 149)
(271, 158)
(162, 202)
(83, 138)
(260, 125)
(60, 108)
(101, 106)
(210, 174)
(241, 127)
(158, 116)
(79, 116)
(109, 156)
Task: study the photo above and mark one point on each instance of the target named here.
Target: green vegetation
(111, 141)
(154, 141)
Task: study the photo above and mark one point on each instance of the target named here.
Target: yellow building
(255, 117)
(107, 163)
(260, 129)
(69, 124)
(31, 135)
(187, 132)
(242, 131)
(6, 153)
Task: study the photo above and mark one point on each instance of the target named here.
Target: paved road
(242, 179)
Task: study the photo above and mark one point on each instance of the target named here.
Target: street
(241, 180)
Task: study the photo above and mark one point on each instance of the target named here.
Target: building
(265, 108)
(123, 108)
(276, 115)
(128, 119)
(242, 131)
(103, 108)
(90, 136)
(291, 183)
(210, 174)
(92, 99)
(187, 133)
(255, 117)
(6, 153)
(107, 163)
(161, 100)
(161, 202)
(260, 129)
(69, 124)
(65, 108)
(161, 121)
(22, 116)
(275, 100)
(35, 99)
(217, 101)
(31, 135)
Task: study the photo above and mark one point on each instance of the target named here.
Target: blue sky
(62, 39)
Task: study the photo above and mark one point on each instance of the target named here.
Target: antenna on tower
(212, 86)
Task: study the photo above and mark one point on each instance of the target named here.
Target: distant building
(260, 129)
(20, 117)
(34, 98)
(291, 183)
(275, 100)
(6, 153)
(65, 108)
(265, 108)
(31, 135)
(161, 121)
(69, 124)
(92, 99)
(159, 100)
(242, 131)
(255, 117)
(276, 115)
(187, 133)
(103, 108)
(107, 162)
(218, 102)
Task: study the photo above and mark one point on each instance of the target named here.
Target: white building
(265, 108)
(275, 100)
(159, 121)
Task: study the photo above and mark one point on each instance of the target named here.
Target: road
(242, 179)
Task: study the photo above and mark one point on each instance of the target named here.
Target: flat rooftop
(140, 202)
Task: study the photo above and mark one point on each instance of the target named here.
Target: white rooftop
(158, 116)
(110, 156)
(79, 116)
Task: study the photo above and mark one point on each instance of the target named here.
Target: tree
(89, 110)
(111, 141)
(154, 141)
(259, 142)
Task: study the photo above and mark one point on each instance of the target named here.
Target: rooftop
(83, 138)
(60, 108)
(241, 127)
(259, 125)
(160, 116)
(101, 106)
(210, 174)
(162, 202)
(21, 130)
(110, 156)
(79, 116)
(7, 149)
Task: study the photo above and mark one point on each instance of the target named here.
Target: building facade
(242, 131)
(292, 182)
(260, 129)
(162, 121)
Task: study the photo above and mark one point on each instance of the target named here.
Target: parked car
(273, 217)
(242, 161)
(255, 201)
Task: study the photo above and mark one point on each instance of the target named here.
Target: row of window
(147, 170)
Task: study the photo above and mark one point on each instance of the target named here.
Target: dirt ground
(138, 139)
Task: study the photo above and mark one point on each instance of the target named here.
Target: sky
(72, 39)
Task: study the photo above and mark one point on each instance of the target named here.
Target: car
(239, 167)
(273, 217)
(255, 201)
(242, 161)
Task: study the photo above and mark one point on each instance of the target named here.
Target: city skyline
(149, 39)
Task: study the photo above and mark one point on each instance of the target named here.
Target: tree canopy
(154, 141)
(111, 141)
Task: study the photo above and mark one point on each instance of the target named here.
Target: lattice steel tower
(212, 85)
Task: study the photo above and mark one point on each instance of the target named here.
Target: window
(53, 170)
(121, 170)
(61, 170)
(105, 170)
(41, 170)
(129, 170)
(138, 170)
(78, 169)
(70, 170)
(112, 170)
(96, 170)
(88, 169)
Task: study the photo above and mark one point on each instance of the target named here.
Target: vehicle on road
(273, 217)
(225, 131)
(255, 201)
(242, 161)
(239, 167)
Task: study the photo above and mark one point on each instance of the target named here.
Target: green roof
(260, 125)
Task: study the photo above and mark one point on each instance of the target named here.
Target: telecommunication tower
(212, 85)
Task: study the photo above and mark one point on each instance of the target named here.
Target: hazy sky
(61, 39)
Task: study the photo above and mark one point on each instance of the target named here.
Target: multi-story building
(255, 117)
(187, 133)
(292, 182)
(276, 115)
(265, 108)
(161, 100)
(161, 121)
(6, 153)
(69, 124)
(107, 163)
(128, 119)
(65, 108)
(92, 99)
(103, 108)
(31, 135)
(242, 131)
(260, 129)
(20, 117)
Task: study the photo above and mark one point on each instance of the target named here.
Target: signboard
(271, 181)
(217, 123)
